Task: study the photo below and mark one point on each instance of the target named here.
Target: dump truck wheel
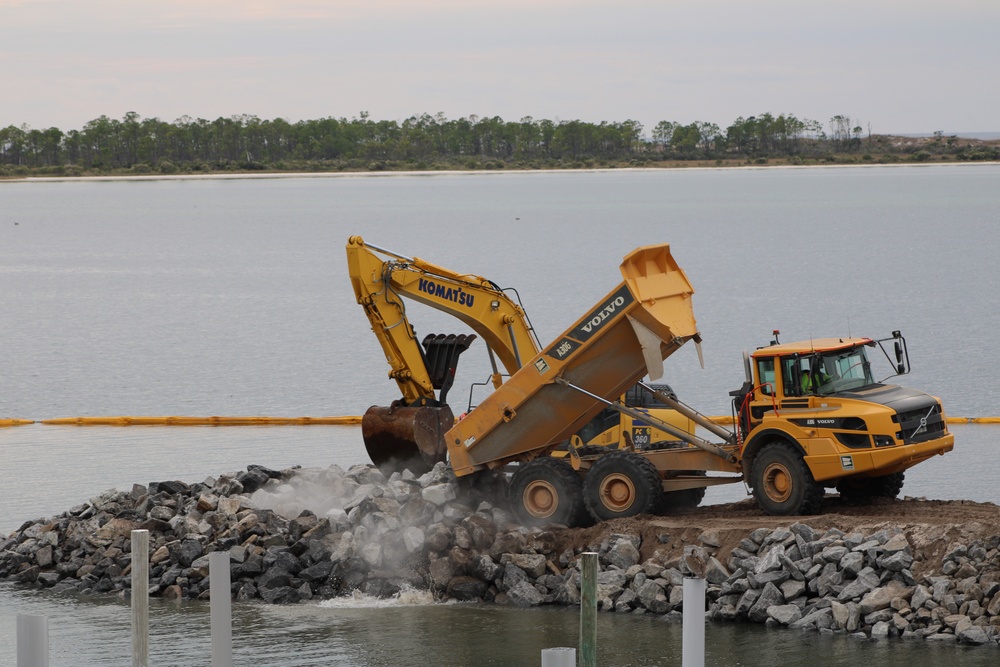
(782, 483)
(547, 490)
(889, 486)
(686, 499)
(622, 484)
(861, 491)
(489, 485)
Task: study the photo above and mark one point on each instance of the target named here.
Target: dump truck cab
(813, 414)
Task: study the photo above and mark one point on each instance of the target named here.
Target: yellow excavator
(409, 432)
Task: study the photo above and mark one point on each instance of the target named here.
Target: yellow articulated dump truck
(809, 416)
(812, 415)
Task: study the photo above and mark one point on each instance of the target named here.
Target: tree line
(246, 142)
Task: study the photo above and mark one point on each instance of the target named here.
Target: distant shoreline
(459, 172)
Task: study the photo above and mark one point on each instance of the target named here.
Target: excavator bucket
(402, 436)
(399, 437)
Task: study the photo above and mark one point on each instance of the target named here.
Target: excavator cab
(611, 428)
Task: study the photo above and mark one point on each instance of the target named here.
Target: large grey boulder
(523, 594)
(652, 596)
(865, 582)
(770, 596)
(533, 565)
(439, 494)
(785, 613)
(467, 589)
(623, 555)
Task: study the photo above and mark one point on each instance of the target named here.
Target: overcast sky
(894, 65)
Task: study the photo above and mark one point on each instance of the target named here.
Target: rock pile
(301, 534)
(859, 583)
(373, 534)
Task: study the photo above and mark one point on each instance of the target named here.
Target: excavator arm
(382, 282)
(371, 278)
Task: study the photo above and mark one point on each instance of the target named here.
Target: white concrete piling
(693, 643)
(221, 609)
(32, 641)
(588, 609)
(560, 656)
(140, 598)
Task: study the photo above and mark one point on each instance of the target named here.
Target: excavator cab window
(637, 397)
(605, 419)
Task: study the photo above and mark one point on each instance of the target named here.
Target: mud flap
(399, 437)
(650, 344)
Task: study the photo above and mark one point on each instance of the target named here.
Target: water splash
(407, 597)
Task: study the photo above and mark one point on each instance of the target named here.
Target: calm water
(231, 298)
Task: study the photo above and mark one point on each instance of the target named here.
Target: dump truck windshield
(841, 371)
(826, 373)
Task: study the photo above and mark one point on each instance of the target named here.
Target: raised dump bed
(623, 338)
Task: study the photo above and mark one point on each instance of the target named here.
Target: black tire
(489, 485)
(782, 483)
(547, 490)
(594, 450)
(686, 499)
(861, 491)
(622, 484)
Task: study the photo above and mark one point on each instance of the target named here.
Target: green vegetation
(134, 145)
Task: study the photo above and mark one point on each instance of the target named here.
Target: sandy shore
(462, 172)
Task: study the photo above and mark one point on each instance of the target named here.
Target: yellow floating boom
(15, 422)
(291, 421)
(203, 421)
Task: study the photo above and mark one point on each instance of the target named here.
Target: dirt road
(932, 526)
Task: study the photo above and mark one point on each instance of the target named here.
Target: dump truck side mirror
(902, 356)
